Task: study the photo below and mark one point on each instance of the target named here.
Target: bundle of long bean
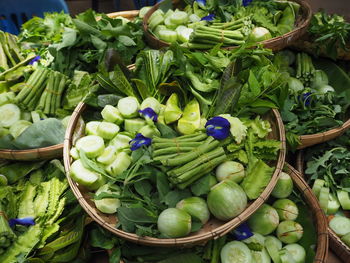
(7, 236)
(305, 69)
(189, 156)
(43, 91)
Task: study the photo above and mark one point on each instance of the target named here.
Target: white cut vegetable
(156, 18)
(236, 252)
(179, 18)
(35, 116)
(340, 225)
(92, 145)
(10, 113)
(74, 153)
(112, 114)
(273, 245)
(91, 127)
(194, 18)
(120, 141)
(7, 97)
(316, 188)
(120, 164)
(286, 257)
(149, 131)
(183, 33)
(323, 198)
(168, 24)
(152, 103)
(255, 242)
(333, 205)
(344, 199)
(108, 156)
(134, 125)
(107, 205)
(261, 256)
(144, 10)
(107, 130)
(168, 35)
(129, 107)
(84, 176)
(260, 34)
(297, 252)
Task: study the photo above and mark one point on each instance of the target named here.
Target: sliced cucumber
(134, 125)
(323, 198)
(120, 141)
(112, 114)
(168, 13)
(7, 97)
(149, 131)
(297, 252)
(158, 28)
(261, 256)
(120, 164)
(286, 257)
(340, 225)
(18, 127)
(183, 33)
(255, 242)
(107, 130)
(35, 116)
(144, 10)
(10, 113)
(316, 188)
(156, 19)
(91, 127)
(236, 252)
(273, 245)
(92, 145)
(179, 18)
(333, 205)
(84, 176)
(152, 103)
(168, 35)
(107, 205)
(74, 153)
(129, 107)
(169, 25)
(344, 199)
(108, 156)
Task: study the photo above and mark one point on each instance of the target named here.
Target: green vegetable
(111, 114)
(172, 111)
(230, 170)
(119, 165)
(84, 176)
(340, 225)
(190, 121)
(235, 251)
(226, 200)
(297, 251)
(92, 145)
(107, 205)
(128, 107)
(265, 220)
(196, 207)
(10, 114)
(286, 209)
(284, 186)
(259, 34)
(174, 223)
(289, 232)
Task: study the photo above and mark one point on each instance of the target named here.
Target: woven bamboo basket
(276, 43)
(339, 248)
(213, 229)
(313, 139)
(55, 151)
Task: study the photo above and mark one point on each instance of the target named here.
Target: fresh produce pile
(327, 168)
(203, 24)
(39, 215)
(163, 171)
(280, 231)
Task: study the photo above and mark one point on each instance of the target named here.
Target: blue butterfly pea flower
(218, 127)
(139, 141)
(208, 17)
(246, 2)
(306, 98)
(149, 113)
(37, 58)
(26, 221)
(242, 232)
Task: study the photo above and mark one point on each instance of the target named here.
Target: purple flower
(201, 2)
(242, 232)
(149, 113)
(218, 127)
(26, 221)
(139, 141)
(209, 17)
(246, 2)
(37, 58)
(306, 98)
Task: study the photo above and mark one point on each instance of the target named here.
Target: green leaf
(98, 238)
(201, 186)
(183, 258)
(127, 41)
(162, 186)
(173, 197)
(143, 188)
(254, 84)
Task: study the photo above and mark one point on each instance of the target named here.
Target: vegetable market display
(326, 170)
(284, 230)
(203, 24)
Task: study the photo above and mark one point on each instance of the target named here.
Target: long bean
(196, 37)
(162, 145)
(170, 150)
(186, 138)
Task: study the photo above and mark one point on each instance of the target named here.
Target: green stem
(196, 137)
(49, 87)
(163, 145)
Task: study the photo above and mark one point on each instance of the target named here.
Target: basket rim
(323, 136)
(300, 165)
(217, 232)
(305, 21)
(317, 213)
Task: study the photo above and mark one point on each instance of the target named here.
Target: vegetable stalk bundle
(6, 234)
(9, 51)
(189, 156)
(43, 91)
(305, 69)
